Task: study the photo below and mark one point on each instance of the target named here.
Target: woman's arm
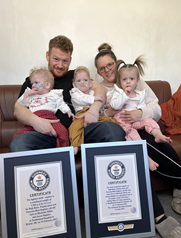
(152, 108)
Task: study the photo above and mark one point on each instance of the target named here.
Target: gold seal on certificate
(40, 207)
(117, 188)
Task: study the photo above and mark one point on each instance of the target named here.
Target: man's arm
(92, 115)
(26, 117)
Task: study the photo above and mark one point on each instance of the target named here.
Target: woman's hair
(61, 42)
(81, 69)
(44, 73)
(105, 49)
(138, 65)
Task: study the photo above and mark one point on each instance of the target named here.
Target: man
(59, 58)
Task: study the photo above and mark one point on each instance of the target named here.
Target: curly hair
(61, 42)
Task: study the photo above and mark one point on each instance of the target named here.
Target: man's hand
(26, 117)
(131, 116)
(45, 126)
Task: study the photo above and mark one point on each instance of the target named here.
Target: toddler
(82, 97)
(44, 101)
(124, 96)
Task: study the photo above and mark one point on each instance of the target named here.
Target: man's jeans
(94, 133)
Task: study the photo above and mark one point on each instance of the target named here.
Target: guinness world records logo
(39, 180)
(116, 169)
(120, 227)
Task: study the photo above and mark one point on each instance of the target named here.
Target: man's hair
(44, 73)
(81, 69)
(61, 42)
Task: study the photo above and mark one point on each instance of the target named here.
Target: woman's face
(106, 68)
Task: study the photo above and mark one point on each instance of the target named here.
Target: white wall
(132, 27)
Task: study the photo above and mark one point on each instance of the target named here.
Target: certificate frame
(8, 164)
(140, 227)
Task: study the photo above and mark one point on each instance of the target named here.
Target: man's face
(58, 62)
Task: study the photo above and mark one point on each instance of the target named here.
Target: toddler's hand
(128, 90)
(31, 92)
(136, 125)
(70, 114)
(106, 106)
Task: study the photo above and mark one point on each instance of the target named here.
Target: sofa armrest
(161, 89)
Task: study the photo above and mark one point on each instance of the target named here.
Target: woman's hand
(89, 117)
(109, 111)
(131, 116)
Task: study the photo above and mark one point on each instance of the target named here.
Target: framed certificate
(117, 191)
(39, 194)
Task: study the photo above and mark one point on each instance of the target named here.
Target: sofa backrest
(8, 123)
(8, 97)
(9, 94)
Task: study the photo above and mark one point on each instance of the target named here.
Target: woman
(105, 62)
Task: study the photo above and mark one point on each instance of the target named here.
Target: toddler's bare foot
(163, 139)
(159, 137)
(76, 149)
(152, 164)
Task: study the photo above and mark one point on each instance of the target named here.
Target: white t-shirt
(119, 100)
(152, 108)
(51, 101)
(80, 99)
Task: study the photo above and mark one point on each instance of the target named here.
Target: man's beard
(53, 71)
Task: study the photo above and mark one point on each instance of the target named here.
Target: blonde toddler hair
(81, 69)
(139, 65)
(44, 73)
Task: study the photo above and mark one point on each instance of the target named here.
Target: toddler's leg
(159, 137)
(153, 128)
(76, 149)
(152, 164)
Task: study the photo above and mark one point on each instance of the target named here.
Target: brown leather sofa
(9, 125)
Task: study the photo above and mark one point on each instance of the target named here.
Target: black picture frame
(144, 227)
(9, 161)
